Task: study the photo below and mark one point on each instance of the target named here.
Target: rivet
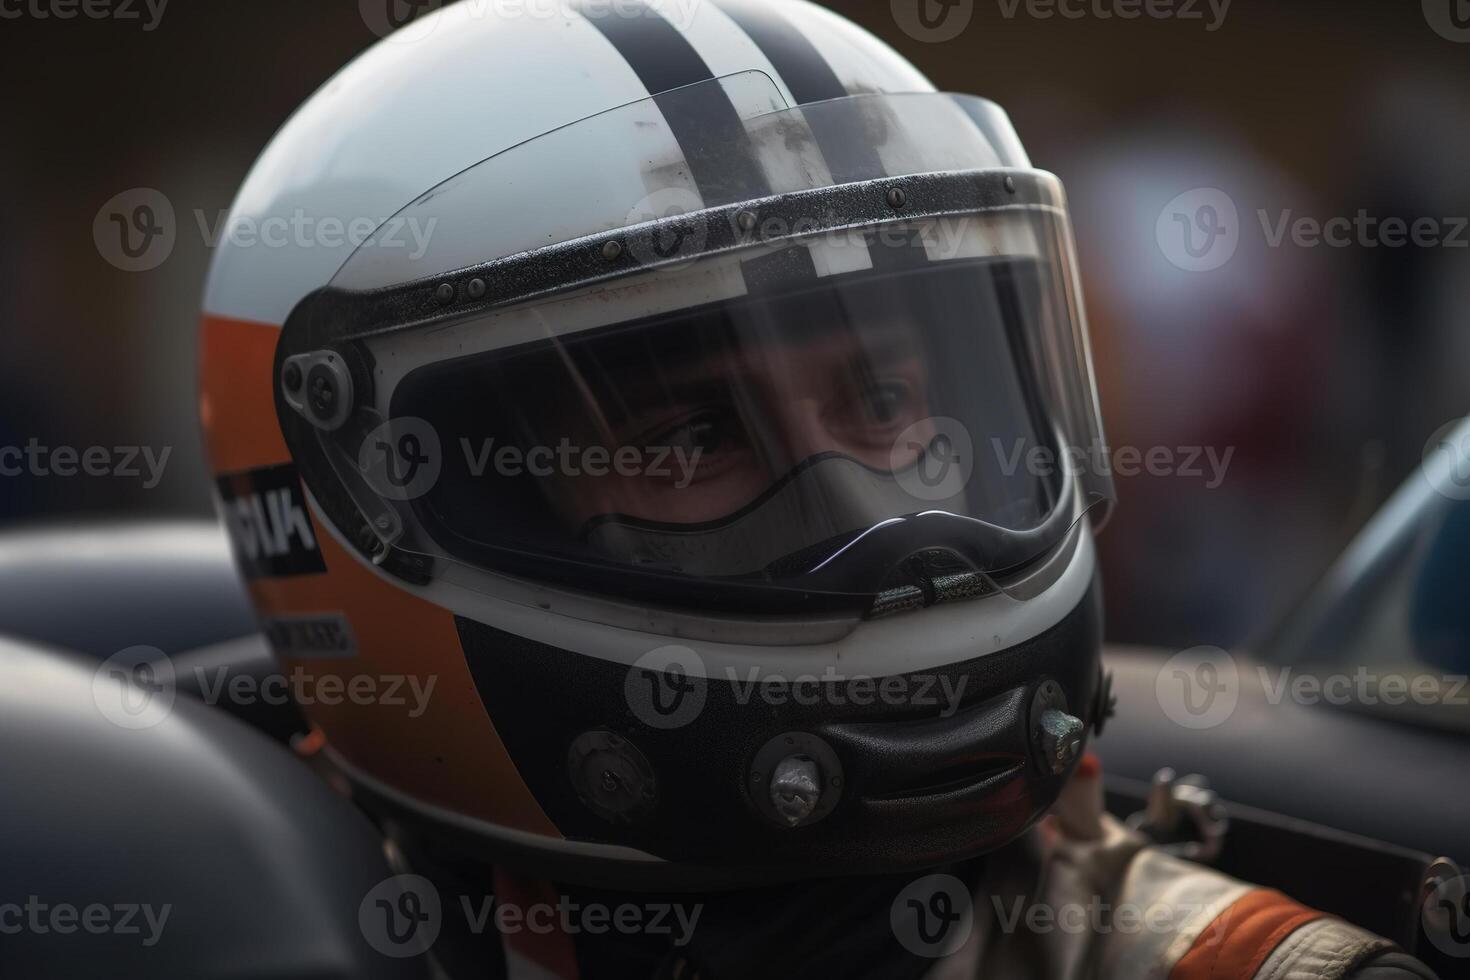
(896, 197)
(746, 220)
(1010, 184)
(293, 376)
(611, 250)
(476, 288)
(445, 293)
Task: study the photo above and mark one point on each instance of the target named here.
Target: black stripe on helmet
(702, 118)
(839, 131)
(775, 270)
(805, 72)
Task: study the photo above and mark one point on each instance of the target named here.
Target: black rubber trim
(332, 314)
(922, 782)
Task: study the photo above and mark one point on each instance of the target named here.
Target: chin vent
(928, 577)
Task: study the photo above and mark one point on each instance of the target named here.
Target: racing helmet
(694, 403)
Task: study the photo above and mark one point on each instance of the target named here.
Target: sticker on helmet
(265, 514)
(315, 635)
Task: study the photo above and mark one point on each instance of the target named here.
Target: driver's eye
(886, 403)
(878, 408)
(707, 431)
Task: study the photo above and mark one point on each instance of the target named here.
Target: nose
(800, 429)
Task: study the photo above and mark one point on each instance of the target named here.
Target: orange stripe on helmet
(1242, 936)
(451, 755)
(236, 394)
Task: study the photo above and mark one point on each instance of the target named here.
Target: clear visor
(804, 417)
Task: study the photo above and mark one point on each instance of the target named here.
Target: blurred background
(1290, 384)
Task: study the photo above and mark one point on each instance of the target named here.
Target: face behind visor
(752, 440)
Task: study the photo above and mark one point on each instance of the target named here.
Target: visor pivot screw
(292, 376)
(611, 777)
(1061, 738)
(611, 250)
(476, 288)
(897, 198)
(745, 220)
(444, 294)
(1010, 183)
(368, 542)
(1057, 734)
(795, 779)
(796, 788)
(325, 396)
